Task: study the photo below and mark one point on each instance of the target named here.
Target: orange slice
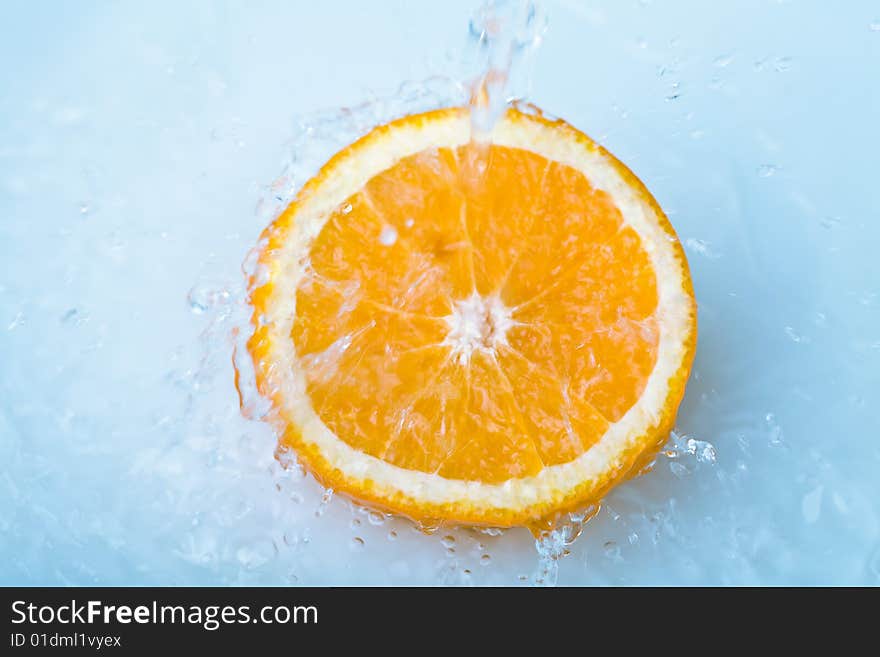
(471, 333)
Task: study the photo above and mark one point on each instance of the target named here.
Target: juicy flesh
(478, 312)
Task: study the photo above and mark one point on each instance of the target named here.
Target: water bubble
(84, 208)
(326, 498)
(346, 209)
(357, 544)
(485, 560)
(767, 170)
(388, 236)
(448, 541)
(392, 535)
(375, 518)
(355, 523)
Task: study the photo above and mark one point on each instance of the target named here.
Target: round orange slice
(471, 332)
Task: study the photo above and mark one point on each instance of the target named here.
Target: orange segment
(496, 445)
(504, 196)
(429, 422)
(361, 248)
(422, 207)
(458, 331)
(561, 427)
(575, 220)
(363, 382)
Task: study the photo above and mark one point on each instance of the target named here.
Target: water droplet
(448, 541)
(782, 64)
(767, 170)
(776, 434)
(701, 247)
(392, 535)
(355, 523)
(388, 236)
(375, 518)
(612, 551)
(326, 498)
(17, 321)
(357, 543)
(794, 336)
(703, 450)
(485, 560)
(256, 555)
(492, 531)
(811, 505)
(202, 298)
(70, 314)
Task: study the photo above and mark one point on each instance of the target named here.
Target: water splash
(504, 35)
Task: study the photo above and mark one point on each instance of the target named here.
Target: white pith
(477, 322)
(552, 483)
